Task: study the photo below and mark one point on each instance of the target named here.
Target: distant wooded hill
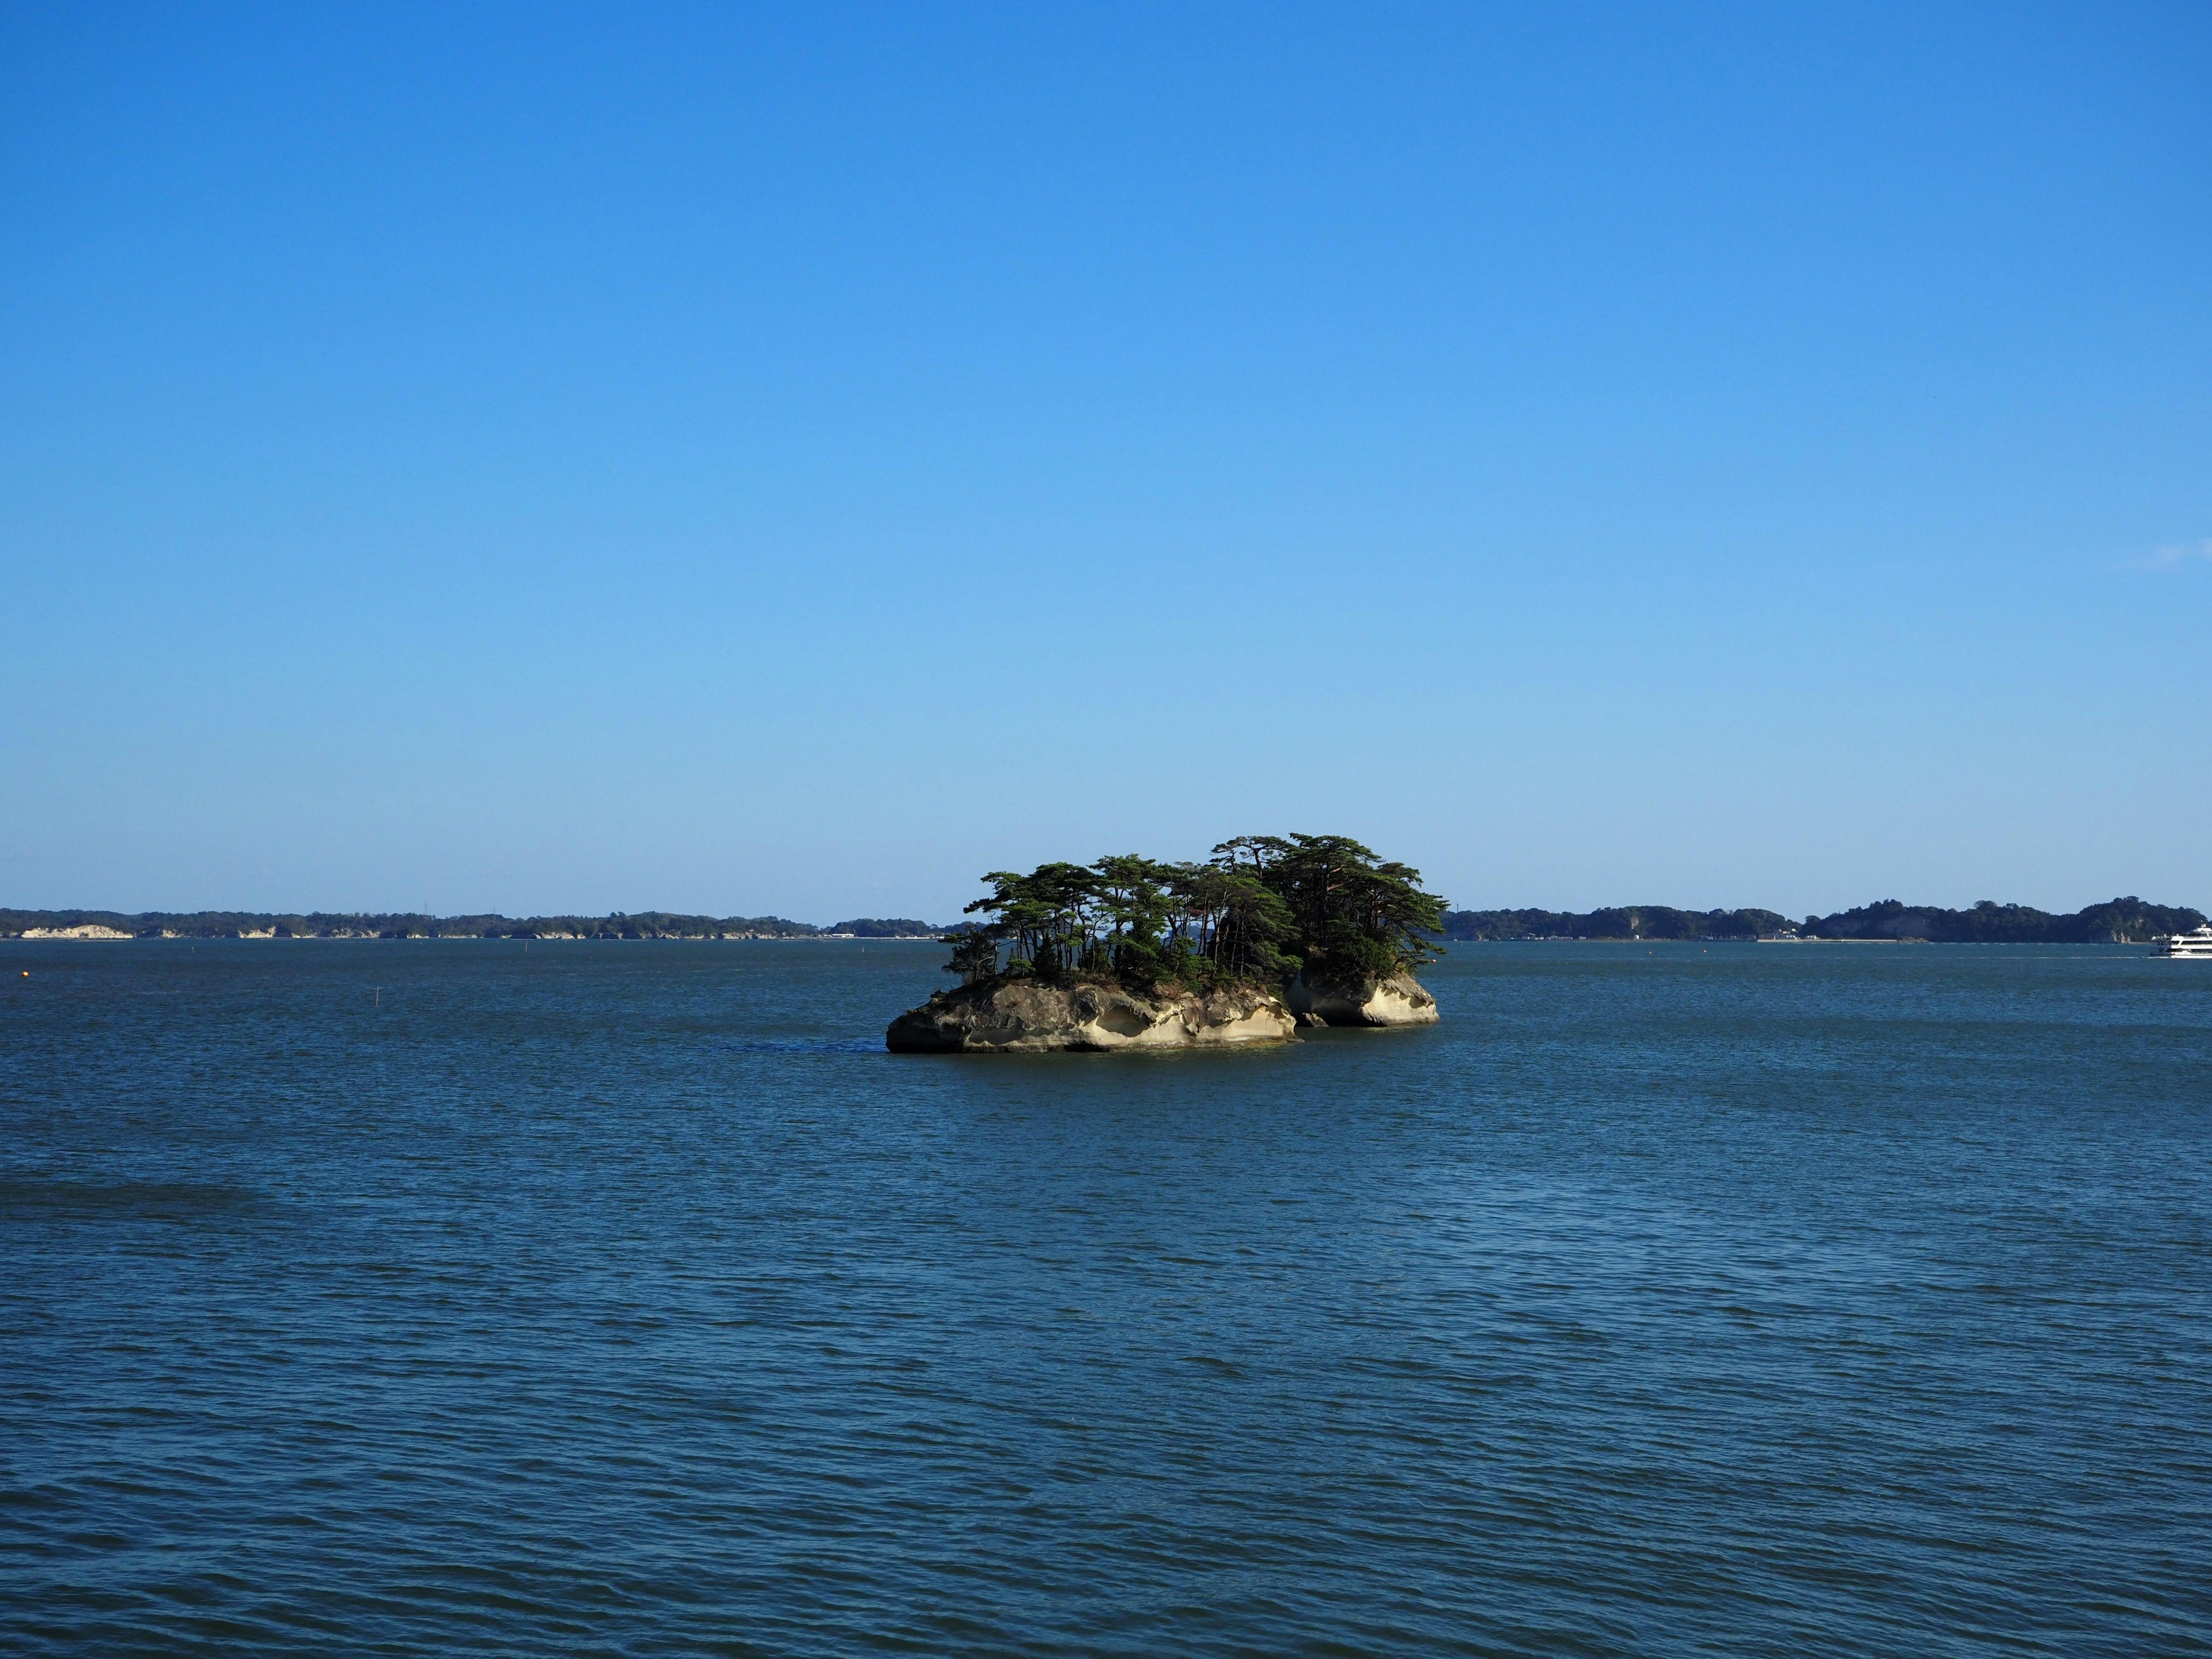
(2118, 921)
(650, 923)
(1631, 921)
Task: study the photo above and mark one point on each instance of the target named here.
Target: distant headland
(2118, 921)
(240, 924)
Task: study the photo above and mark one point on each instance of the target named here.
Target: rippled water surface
(416, 1298)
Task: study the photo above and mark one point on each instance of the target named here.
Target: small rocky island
(1270, 934)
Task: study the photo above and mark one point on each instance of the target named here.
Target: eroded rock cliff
(1019, 1016)
(1400, 999)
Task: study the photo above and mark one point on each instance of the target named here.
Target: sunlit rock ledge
(1400, 999)
(1007, 1015)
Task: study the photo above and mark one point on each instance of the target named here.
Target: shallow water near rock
(424, 1298)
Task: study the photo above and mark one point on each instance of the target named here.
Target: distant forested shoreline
(242, 924)
(2118, 921)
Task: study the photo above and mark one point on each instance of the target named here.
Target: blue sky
(792, 460)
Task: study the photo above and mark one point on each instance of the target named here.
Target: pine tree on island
(1129, 951)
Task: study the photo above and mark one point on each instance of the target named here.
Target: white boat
(2195, 944)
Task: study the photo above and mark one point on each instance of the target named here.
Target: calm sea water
(420, 1298)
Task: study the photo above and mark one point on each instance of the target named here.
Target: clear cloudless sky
(792, 460)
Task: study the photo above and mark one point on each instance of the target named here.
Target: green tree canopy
(1353, 915)
(1260, 907)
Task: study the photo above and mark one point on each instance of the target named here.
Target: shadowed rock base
(1401, 1000)
(1025, 1016)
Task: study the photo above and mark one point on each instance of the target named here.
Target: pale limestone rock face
(1026, 1017)
(1400, 999)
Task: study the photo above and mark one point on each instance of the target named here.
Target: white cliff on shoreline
(1024, 1014)
(1400, 999)
(1013, 1015)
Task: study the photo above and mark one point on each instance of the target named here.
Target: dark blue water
(416, 1298)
